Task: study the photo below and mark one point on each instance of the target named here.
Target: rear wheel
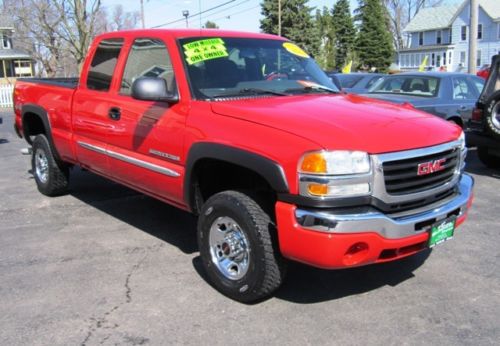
(492, 114)
(238, 247)
(487, 159)
(51, 176)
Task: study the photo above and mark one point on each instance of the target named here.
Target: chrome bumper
(371, 220)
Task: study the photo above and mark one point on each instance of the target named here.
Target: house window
(438, 60)
(449, 58)
(498, 33)
(479, 31)
(420, 38)
(433, 59)
(478, 58)
(450, 35)
(5, 42)
(438, 37)
(463, 35)
(444, 58)
(462, 58)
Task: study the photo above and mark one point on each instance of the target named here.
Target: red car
(247, 132)
(484, 72)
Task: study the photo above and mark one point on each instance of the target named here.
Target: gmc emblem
(431, 167)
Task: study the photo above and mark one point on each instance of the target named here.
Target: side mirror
(152, 89)
(336, 81)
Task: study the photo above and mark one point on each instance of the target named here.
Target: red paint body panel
(326, 250)
(281, 129)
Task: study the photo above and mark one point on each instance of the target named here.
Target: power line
(195, 14)
(225, 9)
(235, 13)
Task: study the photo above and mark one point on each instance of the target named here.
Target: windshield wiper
(250, 91)
(312, 88)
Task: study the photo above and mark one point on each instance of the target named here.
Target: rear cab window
(102, 67)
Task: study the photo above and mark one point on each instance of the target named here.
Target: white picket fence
(6, 95)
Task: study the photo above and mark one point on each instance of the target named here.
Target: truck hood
(344, 122)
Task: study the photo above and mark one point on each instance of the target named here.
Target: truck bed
(70, 83)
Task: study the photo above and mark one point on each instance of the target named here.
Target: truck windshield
(231, 67)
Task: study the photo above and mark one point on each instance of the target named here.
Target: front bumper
(334, 239)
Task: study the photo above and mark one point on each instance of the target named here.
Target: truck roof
(183, 33)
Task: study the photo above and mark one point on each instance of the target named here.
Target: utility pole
(473, 36)
(142, 14)
(279, 17)
(185, 13)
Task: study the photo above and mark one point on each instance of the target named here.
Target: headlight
(334, 174)
(337, 162)
(461, 140)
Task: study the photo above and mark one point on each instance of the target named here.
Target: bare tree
(78, 24)
(122, 20)
(401, 12)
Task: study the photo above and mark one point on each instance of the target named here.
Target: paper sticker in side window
(202, 50)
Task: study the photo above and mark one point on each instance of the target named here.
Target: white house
(442, 34)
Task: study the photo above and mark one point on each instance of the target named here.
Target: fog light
(356, 253)
(318, 189)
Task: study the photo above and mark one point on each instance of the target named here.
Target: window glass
(420, 38)
(461, 89)
(478, 58)
(372, 82)
(348, 80)
(147, 58)
(438, 36)
(479, 83)
(232, 66)
(103, 64)
(464, 33)
(409, 85)
(479, 31)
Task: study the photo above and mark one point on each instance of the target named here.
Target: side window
(461, 89)
(147, 58)
(479, 83)
(103, 64)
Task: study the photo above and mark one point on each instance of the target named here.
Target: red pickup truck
(247, 132)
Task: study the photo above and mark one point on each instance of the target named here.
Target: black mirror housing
(152, 89)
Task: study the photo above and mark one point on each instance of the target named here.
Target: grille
(401, 176)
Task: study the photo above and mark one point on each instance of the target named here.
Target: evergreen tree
(297, 23)
(210, 25)
(374, 43)
(326, 55)
(345, 33)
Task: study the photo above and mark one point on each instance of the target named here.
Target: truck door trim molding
(131, 160)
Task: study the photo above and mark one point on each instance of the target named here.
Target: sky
(242, 15)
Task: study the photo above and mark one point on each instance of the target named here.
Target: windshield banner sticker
(202, 50)
(295, 50)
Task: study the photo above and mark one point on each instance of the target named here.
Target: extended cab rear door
(92, 109)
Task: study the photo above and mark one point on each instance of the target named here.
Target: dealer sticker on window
(201, 50)
(442, 231)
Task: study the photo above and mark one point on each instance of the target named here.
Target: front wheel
(238, 247)
(492, 114)
(51, 176)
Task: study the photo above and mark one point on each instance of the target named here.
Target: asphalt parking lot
(107, 265)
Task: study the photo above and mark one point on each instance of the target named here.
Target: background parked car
(484, 71)
(484, 127)
(450, 96)
(356, 82)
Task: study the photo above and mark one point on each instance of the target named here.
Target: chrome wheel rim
(495, 115)
(229, 248)
(41, 165)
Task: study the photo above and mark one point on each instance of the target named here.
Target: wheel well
(457, 120)
(32, 125)
(211, 176)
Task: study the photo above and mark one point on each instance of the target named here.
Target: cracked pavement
(106, 265)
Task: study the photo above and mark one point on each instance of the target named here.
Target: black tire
(265, 267)
(51, 176)
(492, 114)
(487, 159)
